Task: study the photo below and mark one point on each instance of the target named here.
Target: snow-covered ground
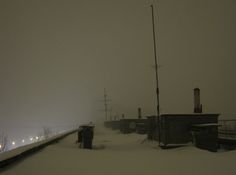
(118, 154)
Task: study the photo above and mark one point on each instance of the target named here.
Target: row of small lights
(23, 141)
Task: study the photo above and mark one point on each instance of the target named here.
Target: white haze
(57, 56)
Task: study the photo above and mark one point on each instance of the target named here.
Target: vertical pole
(105, 104)
(157, 78)
(111, 113)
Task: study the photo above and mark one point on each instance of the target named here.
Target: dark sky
(56, 56)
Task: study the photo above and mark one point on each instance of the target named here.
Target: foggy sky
(57, 56)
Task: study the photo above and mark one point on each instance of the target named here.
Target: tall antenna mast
(106, 105)
(157, 78)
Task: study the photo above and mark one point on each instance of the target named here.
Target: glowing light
(23, 141)
(0, 146)
(13, 143)
(37, 138)
(31, 138)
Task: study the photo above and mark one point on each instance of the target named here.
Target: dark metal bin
(85, 136)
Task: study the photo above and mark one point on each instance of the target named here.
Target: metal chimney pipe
(139, 113)
(197, 103)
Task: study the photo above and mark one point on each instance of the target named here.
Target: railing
(227, 129)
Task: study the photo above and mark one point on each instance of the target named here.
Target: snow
(119, 154)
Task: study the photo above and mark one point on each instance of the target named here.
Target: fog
(56, 58)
